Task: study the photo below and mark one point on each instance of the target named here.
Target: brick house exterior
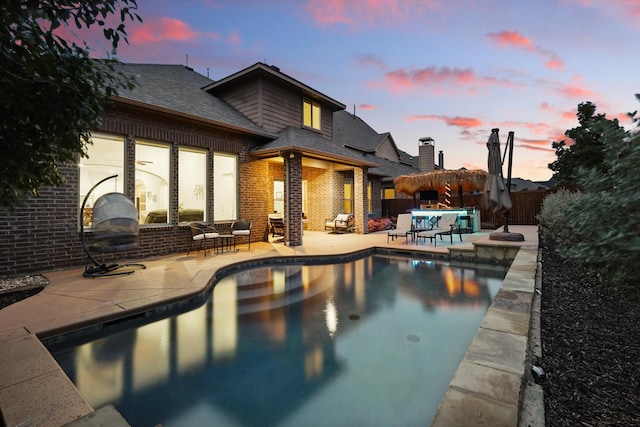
(255, 115)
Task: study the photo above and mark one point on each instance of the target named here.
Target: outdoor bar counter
(468, 218)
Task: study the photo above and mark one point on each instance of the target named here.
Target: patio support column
(360, 203)
(293, 198)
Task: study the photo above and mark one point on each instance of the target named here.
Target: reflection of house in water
(278, 325)
(440, 286)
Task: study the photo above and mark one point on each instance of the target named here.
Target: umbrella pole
(509, 166)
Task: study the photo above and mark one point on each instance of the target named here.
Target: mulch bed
(591, 348)
(8, 298)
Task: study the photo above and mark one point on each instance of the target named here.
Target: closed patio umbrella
(496, 194)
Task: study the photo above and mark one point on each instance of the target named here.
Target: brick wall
(43, 234)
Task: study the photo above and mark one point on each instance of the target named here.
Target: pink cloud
(364, 13)
(399, 80)
(234, 38)
(545, 107)
(366, 107)
(162, 29)
(555, 62)
(512, 38)
(462, 122)
(515, 39)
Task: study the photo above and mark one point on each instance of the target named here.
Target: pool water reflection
(370, 342)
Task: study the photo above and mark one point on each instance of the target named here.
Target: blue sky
(448, 69)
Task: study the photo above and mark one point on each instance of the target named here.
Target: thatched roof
(470, 180)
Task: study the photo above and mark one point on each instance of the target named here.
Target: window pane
(192, 184)
(278, 196)
(152, 182)
(106, 158)
(389, 193)
(315, 120)
(307, 114)
(348, 195)
(347, 206)
(225, 187)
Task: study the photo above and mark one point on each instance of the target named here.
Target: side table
(224, 241)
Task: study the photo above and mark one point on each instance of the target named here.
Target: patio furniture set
(447, 224)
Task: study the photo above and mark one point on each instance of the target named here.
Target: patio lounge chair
(404, 227)
(343, 223)
(446, 226)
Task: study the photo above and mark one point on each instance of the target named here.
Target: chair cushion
(241, 232)
(205, 236)
(343, 217)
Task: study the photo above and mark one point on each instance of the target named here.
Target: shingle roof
(313, 145)
(352, 131)
(260, 68)
(388, 169)
(178, 89)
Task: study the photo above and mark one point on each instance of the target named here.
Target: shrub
(600, 226)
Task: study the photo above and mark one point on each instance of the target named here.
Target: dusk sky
(447, 69)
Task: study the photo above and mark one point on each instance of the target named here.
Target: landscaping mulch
(591, 347)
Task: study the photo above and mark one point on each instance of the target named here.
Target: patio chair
(201, 232)
(447, 225)
(404, 227)
(276, 225)
(242, 227)
(114, 220)
(343, 223)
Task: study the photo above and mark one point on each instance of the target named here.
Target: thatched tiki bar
(443, 182)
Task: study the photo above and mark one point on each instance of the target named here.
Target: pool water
(372, 342)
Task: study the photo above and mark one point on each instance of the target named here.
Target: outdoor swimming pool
(373, 342)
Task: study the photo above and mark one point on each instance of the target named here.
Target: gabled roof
(312, 145)
(177, 90)
(388, 169)
(260, 69)
(408, 159)
(353, 132)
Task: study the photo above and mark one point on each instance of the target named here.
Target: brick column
(360, 202)
(293, 198)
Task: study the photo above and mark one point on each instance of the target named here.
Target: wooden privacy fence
(526, 207)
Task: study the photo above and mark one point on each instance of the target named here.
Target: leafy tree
(600, 225)
(588, 148)
(51, 91)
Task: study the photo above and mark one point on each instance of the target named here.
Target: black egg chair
(115, 229)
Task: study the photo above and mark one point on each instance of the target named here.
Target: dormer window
(311, 114)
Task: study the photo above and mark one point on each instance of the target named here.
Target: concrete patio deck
(487, 387)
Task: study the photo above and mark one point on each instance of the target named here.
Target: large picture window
(105, 158)
(225, 187)
(192, 184)
(152, 182)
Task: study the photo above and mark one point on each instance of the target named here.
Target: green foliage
(600, 226)
(51, 92)
(588, 148)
